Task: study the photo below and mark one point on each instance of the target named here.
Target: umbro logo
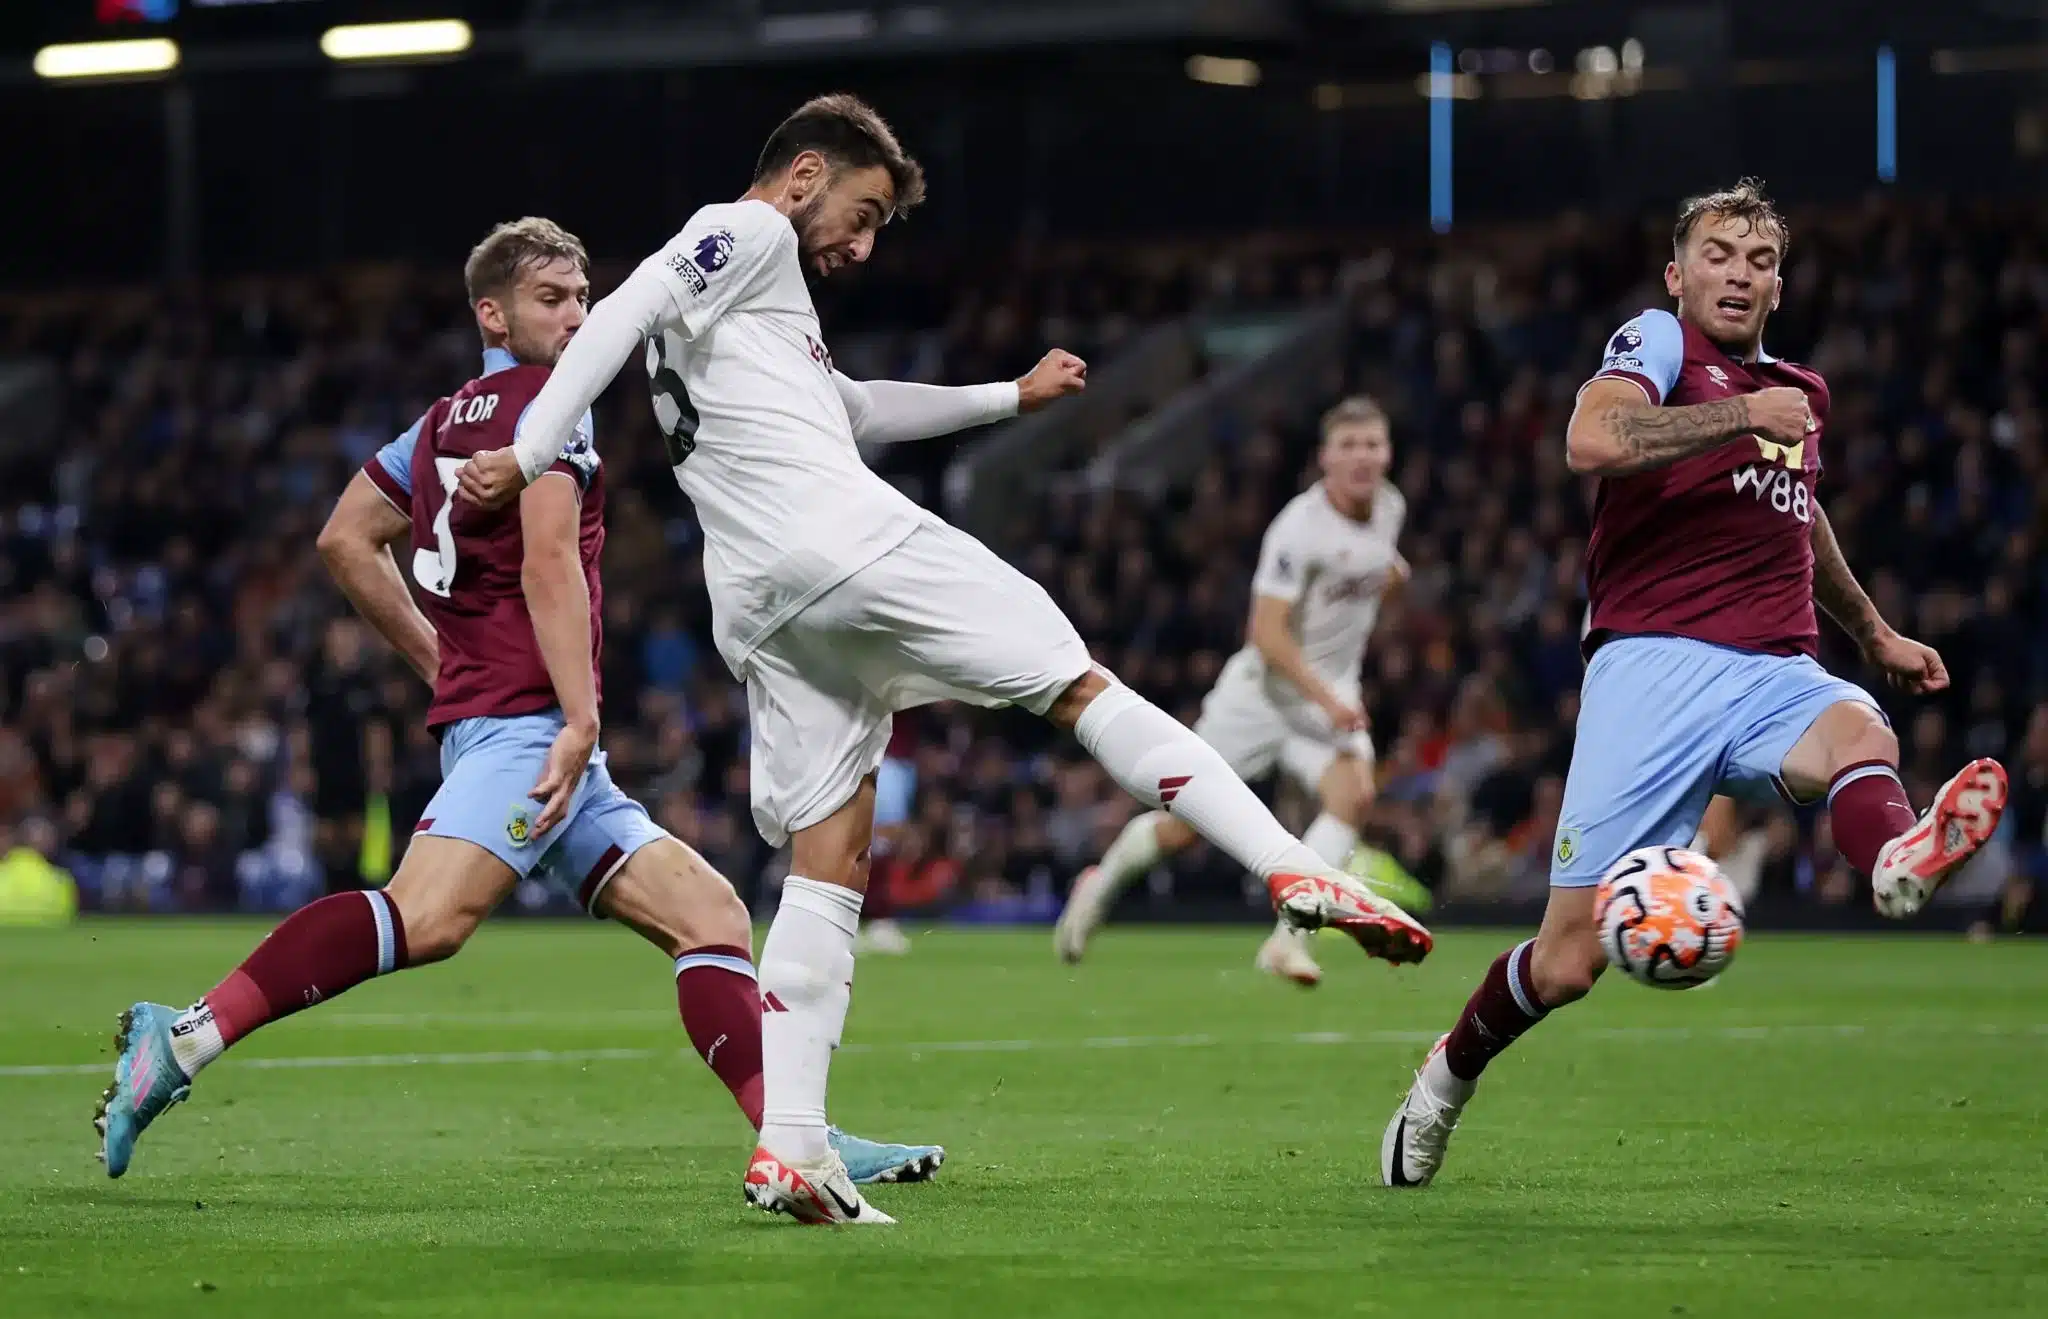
(1719, 376)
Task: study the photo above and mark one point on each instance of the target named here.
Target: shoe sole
(1970, 805)
(920, 1169)
(125, 1026)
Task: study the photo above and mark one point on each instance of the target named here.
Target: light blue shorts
(489, 765)
(1664, 724)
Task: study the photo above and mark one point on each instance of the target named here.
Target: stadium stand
(193, 722)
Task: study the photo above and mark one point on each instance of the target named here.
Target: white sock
(195, 1039)
(806, 975)
(1447, 1085)
(1300, 938)
(1331, 839)
(1135, 852)
(1158, 760)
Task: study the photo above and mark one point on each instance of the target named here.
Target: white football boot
(1962, 819)
(1412, 1150)
(1285, 954)
(1086, 906)
(1332, 897)
(822, 1196)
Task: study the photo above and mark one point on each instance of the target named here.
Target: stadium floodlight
(107, 59)
(396, 41)
(1223, 71)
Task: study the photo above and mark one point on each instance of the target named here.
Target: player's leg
(1822, 736)
(1342, 782)
(1247, 733)
(1651, 735)
(473, 846)
(320, 951)
(819, 735)
(624, 867)
(957, 621)
(895, 798)
(1162, 763)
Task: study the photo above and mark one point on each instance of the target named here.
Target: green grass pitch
(1843, 1127)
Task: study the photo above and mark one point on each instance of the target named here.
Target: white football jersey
(756, 429)
(1333, 571)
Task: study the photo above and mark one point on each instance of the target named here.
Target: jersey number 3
(434, 569)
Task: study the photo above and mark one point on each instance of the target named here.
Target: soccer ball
(1668, 917)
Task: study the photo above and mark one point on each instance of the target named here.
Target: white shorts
(1256, 734)
(937, 618)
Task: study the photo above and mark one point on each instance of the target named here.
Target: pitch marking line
(1781, 1033)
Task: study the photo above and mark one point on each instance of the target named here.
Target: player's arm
(686, 286)
(558, 600)
(617, 328)
(1835, 588)
(356, 546)
(1272, 635)
(1908, 664)
(891, 411)
(1616, 431)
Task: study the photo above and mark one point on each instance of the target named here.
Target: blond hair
(1357, 410)
(1745, 201)
(494, 264)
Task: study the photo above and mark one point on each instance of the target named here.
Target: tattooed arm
(1904, 661)
(1615, 431)
(1835, 588)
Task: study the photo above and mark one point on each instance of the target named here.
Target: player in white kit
(838, 601)
(1289, 699)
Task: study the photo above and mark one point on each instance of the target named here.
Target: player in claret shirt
(1709, 552)
(509, 638)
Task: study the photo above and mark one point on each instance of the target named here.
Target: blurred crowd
(190, 718)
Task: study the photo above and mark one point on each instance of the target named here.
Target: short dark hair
(1747, 200)
(846, 131)
(494, 264)
(1357, 410)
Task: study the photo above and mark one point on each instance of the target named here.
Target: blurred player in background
(509, 641)
(1290, 699)
(839, 601)
(1708, 556)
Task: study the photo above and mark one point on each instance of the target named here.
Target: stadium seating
(185, 700)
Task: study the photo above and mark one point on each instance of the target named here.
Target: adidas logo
(1169, 788)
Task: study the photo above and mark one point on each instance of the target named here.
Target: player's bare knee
(436, 924)
(1346, 790)
(1565, 968)
(670, 896)
(1173, 834)
(1066, 711)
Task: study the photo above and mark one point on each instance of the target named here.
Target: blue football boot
(147, 1081)
(868, 1162)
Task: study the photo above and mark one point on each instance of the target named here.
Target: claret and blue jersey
(1701, 672)
(494, 704)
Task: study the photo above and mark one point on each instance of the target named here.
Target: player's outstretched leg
(1851, 753)
(672, 897)
(442, 891)
(1162, 763)
(1523, 986)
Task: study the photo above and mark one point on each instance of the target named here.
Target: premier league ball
(1668, 917)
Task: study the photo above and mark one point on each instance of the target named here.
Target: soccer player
(839, 601)
(1289, 699)
(1708, 556)
(509, 641)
